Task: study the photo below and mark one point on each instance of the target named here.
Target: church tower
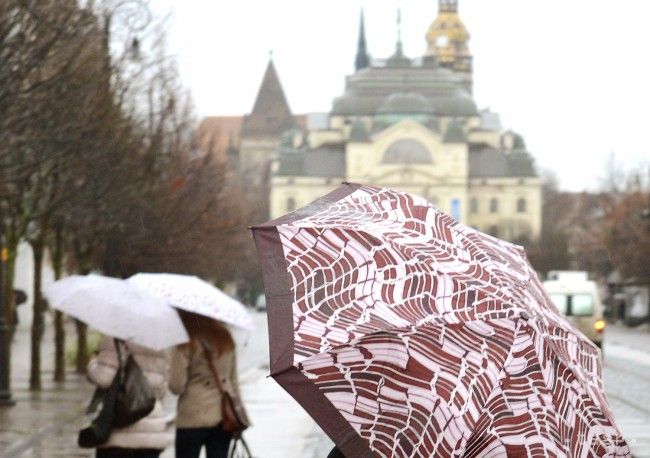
(447, 41)
(262, 128)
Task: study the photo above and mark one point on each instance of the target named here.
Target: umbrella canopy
(405, 333)
(195, 295)
(118, 309)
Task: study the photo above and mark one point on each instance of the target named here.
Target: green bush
(94, 338)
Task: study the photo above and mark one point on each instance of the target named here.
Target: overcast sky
(570, 75)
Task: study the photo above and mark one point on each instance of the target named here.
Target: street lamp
(5, 336)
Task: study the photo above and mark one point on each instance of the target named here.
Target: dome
(406, 103)
(407, 151)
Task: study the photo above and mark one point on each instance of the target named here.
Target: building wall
(255, 155)
(302, 191)
(510, 223)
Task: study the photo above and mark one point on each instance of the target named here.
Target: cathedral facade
(413, 125)
(407, 124)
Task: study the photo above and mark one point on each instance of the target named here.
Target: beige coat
(199, 402)
(154, 430)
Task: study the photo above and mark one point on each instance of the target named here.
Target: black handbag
(128, 399)
(99, 430)
(135, 398)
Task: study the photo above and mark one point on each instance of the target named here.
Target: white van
(578, 299)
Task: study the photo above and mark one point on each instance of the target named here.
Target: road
(626, 374)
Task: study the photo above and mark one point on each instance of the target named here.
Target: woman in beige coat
(198, 421)
(147, 437)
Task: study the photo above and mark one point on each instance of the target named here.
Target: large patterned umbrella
(405, 333)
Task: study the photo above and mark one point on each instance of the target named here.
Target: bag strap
(120, 363)
(235, 442)
(208, 356)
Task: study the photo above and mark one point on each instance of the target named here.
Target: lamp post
(5, 336)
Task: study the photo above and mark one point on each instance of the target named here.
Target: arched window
(494, 205)
(407, 151)
(521, 205)
(291, 204)
(473, 205)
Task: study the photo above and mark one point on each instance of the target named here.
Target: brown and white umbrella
(405, 333)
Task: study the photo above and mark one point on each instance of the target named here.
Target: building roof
(216, 134)
(455, 132)
(367, 89)
(327, 161)
(406, 103)
(487, 162)
(271, 115)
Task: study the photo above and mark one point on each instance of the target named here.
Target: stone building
(249, 141)
(413, 125)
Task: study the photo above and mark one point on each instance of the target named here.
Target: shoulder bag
(135, 398)
(233, 421)
(128, 399)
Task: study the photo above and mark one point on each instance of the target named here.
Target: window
(455, 209)
(574, 304)
(473, 205)
(561, 301)
(291, 204)
(521, 205)
(494, 205)
(582, 305)
(407, 151)
(494, 231)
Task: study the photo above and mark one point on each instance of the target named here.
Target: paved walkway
(45, 424)
(43, 420)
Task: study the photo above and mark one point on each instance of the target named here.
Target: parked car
(579, 300)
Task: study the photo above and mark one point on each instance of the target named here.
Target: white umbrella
(197, 296)
(119, 309)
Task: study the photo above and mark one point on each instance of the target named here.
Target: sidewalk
(45, 424)
(42, 422)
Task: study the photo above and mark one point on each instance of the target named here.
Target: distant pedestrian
(19, 299)
(148, 437)
(210, 353)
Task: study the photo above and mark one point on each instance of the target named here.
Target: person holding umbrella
(138, 328)
(148, 437)
(201, 371)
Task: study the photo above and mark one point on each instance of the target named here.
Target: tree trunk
(10, 272)
(59, 329)
(38, 325)
(82, 347)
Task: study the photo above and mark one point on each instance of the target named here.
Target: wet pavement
(626, 374)
(45, 424)
(42, 424)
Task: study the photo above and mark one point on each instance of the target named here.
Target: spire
(399, 59)
(399, 47)
(362, 59)
(448, 6)
(271, 113)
